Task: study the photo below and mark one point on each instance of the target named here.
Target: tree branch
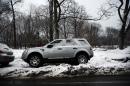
(128, 27)
(4, 27)
(93, 19)
(16, 2)
(119, 13)
(126, 6)
(58, 5)
(61, 2)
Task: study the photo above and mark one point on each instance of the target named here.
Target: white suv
(73, 50)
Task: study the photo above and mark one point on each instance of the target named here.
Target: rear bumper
(6, 58)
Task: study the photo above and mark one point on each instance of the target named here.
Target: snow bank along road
(104, 62)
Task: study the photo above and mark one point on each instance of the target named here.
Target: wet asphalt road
(75, 81)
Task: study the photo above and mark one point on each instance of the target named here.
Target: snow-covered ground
(104, 62)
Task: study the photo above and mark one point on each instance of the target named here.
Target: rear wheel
(35, 61)
(82, 58)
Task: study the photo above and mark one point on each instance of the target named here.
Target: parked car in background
(75, 50)
(6, 55)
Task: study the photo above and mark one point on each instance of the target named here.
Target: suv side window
(70, 42)
(57, 43)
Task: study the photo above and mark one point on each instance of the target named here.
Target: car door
(70, 48)
(56, 51)
(67, 50)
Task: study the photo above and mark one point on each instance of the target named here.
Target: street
(75, 81)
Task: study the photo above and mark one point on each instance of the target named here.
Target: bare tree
(55, 14)
(73, 14)
(112, 36)
(125, 4)
(4, 10)
(12, 3)
(93, 33)
(4, 7)
(123, 12)
(51, 19)
(4, 20)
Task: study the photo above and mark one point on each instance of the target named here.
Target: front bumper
(6, 58)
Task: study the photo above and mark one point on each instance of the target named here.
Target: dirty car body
(6, 55)
(60, 49)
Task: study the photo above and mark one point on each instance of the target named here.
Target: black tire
(82, 58)
(35, 60)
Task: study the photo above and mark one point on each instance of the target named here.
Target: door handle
(59, 48)
(75, 48)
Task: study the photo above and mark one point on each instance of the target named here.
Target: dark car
(6, 55)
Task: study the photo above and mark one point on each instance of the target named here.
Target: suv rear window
(70, 42)
(82, 42)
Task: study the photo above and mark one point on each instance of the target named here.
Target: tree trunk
(56, 20)
(75, 28)
(14, 26)
(65, 34)
(51, 20)
(124, 19)
(122, 35)
(121, 41)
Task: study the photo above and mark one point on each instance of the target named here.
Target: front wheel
(82, 58)
(35, 61)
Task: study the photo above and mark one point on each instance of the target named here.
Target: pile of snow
(101, 64)
(103, 57)
(18, 53)
(18, 62)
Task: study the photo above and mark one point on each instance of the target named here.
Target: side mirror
(49, 46)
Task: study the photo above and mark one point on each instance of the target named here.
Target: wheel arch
(34, 53)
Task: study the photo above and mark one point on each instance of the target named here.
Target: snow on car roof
(72, 38)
